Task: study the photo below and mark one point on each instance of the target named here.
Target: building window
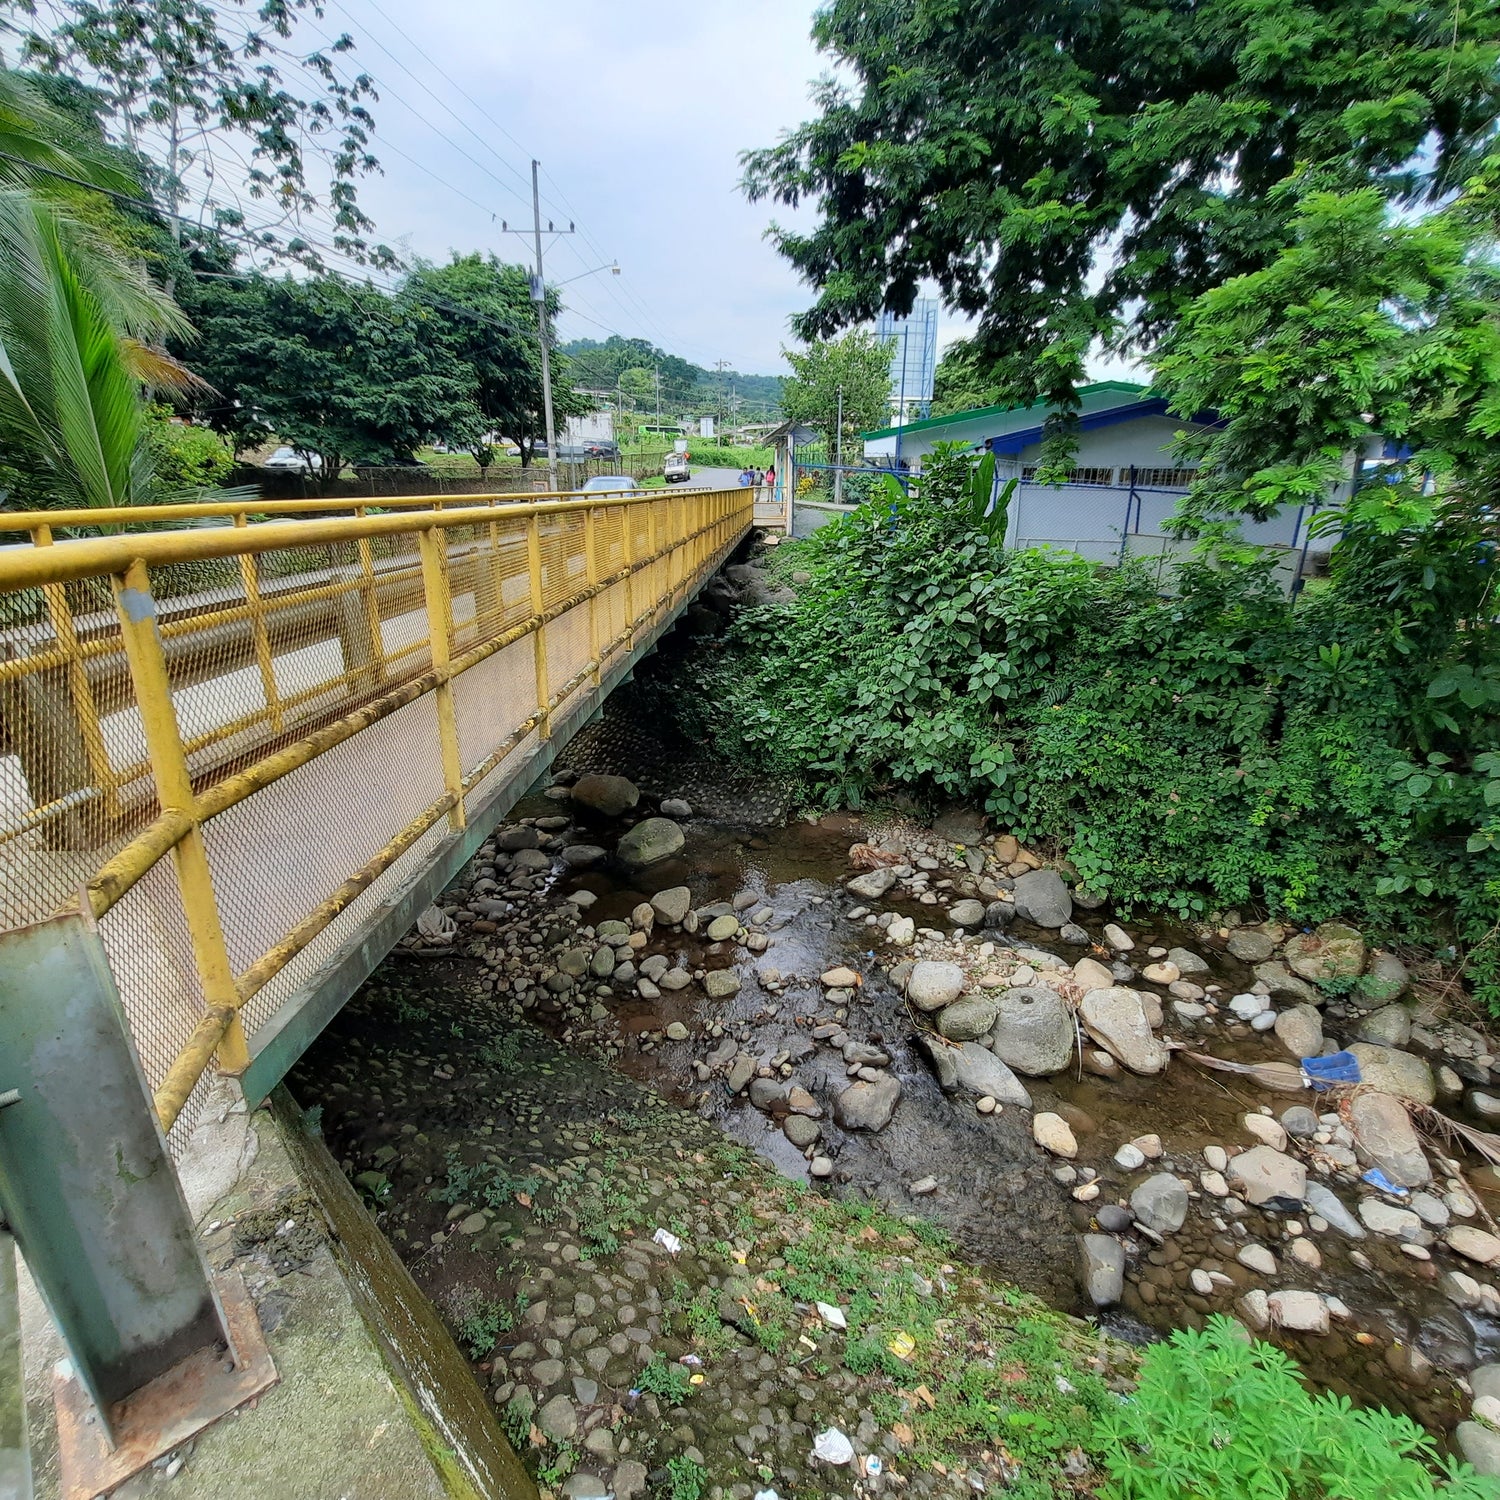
(1166, 479)
(1075, 476)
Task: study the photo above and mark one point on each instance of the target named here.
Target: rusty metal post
(174, 790)
(539, 635)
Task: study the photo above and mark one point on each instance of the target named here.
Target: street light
(613, 267)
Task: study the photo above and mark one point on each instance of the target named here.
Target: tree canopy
(1366, 338)
(852, 373)
(329, 368)
(219, 98)
(963, 380)
(80, 321)
(1077, 173)
(684, 386)
(480, 312)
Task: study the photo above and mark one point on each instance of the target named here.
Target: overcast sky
(637, 113)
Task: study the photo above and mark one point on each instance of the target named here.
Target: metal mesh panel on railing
(492, 700)
(567, 648)
(145, 934)
(280, 684)
(73, 783)
(276, 856)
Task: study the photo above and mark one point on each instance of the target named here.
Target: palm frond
(158, 371)
(69, 403)
(38, 141)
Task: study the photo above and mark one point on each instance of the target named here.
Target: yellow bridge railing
(233, 744)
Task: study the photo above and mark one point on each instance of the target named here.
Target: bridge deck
(257, 751)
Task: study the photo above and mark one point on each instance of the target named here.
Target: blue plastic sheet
(1377, 1179)
(1325, 1072)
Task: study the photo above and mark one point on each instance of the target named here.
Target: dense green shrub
(1217, 1417)
(1196, 741)
(183, 456)
(707, 454)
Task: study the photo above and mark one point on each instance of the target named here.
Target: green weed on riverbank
(1196, 741)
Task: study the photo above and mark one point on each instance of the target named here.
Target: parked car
(675, 468)
(615, 483)
(603, 448)
(289, 458)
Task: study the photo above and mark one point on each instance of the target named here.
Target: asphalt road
(709, 479)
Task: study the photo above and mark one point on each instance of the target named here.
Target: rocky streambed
(933, 1020)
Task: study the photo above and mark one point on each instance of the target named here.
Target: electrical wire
(639, 313)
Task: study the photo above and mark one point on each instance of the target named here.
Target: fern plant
(1219, 1417)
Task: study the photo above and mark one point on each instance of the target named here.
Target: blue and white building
(1125, 482)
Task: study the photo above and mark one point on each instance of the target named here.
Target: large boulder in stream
(609, 795)
(968, 1018)
(1332, 951)
(672, 905)
(1384, 1133)
(873, 885)
(933, 985)
(1403, 1074)
(1116, 1019)
(1034, 1031)
(868, 1105)
(1042, 899)
(975, 1069)
(1101, 1268)
(649, 842)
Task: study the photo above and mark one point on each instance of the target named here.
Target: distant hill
(633, 366)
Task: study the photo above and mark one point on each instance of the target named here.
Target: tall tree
(208, 95)
(851, 374)
(1367, 337)
(479, 310)
(335, 370)
(964, 379)
(1070, 173)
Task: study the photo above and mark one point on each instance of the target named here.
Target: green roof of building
(1098, 388)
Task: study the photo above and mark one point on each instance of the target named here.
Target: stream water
(998, 1194)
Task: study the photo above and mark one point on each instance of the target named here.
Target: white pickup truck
(675, 468)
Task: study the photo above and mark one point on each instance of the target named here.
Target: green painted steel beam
(15, 1453)
(86, 1185)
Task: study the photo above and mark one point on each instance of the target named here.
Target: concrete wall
(1145, 442)
(1100, 522)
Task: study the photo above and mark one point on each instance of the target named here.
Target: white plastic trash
(436, 925)
(833, 1447)
(668, 1241)
(832, 1316)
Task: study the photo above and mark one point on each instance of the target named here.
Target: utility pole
(721, 365)
(838, 451)
(539, 296)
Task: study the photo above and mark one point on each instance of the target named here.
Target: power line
(640, 312)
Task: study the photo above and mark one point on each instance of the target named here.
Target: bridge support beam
(89, 1191)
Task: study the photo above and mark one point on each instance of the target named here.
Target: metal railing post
(627, 545)
(591, 570)
(539, 635)
(370, 638)
(439, 633)
(174, 791)
(250, 578)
